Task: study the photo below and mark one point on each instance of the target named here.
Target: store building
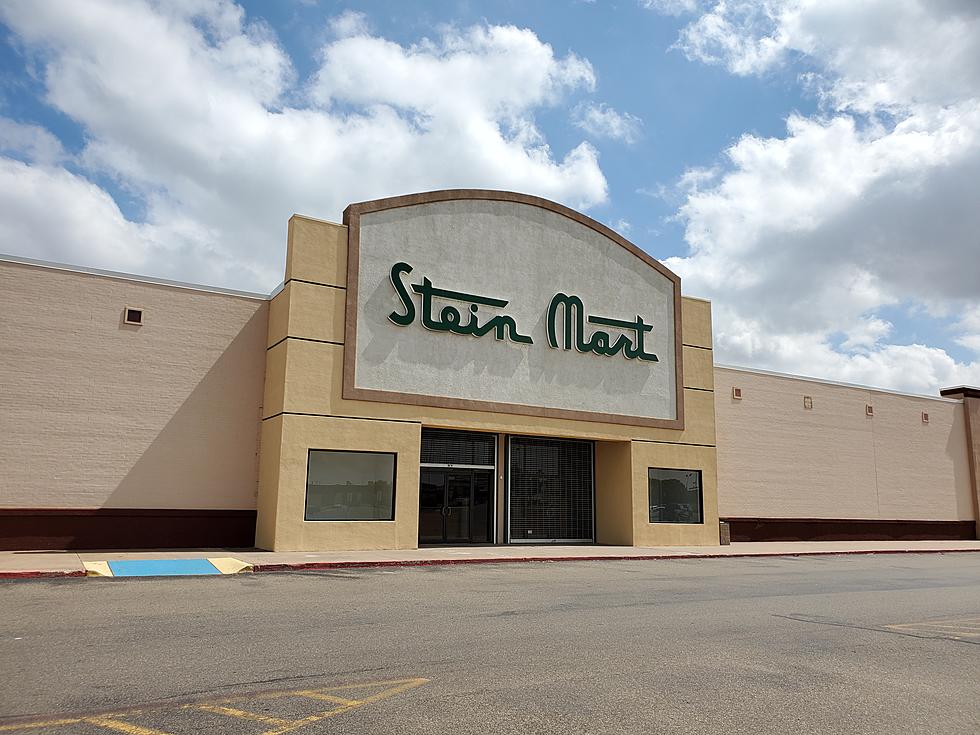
(459, 367)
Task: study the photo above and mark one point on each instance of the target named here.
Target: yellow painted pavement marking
(41, 723)
(97, 569)
(229, 565)
(241, 714)
(963, 627)
(120, 726)
(280, 726)
(401, 686)
(312, 694)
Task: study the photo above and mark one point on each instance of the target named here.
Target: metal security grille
(458, 448)
(551, 490)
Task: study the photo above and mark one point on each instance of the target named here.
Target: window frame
(700, 474)
(306, 492)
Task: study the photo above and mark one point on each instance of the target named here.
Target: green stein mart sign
(506, 303)
(566, 319)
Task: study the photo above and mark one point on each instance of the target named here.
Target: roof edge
(118, 275)
(838, 383)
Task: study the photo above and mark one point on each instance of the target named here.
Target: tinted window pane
(675, 496)
(350, 486)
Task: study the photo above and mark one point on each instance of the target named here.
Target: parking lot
(861, 644)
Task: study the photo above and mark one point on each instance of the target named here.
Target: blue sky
(807, 165)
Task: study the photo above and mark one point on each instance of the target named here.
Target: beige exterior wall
(303, 409)
(95, 413)
(972, 409)
(777, 459)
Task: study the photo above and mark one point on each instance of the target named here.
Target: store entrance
(455, 506)
(457, 487)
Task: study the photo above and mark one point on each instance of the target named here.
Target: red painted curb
(34, 574)
(313, 565)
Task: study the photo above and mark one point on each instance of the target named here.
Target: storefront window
(350, 486)
(675, 496)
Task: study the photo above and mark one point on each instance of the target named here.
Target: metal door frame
(507, 535)
(493, 467)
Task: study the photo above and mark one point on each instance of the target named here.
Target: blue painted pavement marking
(161, 567)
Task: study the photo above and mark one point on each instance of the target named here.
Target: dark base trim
(845, 529)
(75, 529)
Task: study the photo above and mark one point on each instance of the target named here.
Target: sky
(810, 166)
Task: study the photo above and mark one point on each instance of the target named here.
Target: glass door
(432, 500)
(455, 506)
(459, 501)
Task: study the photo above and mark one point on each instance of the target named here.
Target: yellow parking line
(965, 628)
(242, 714)
(313, 694)
(946, 630)
(960, 621)
(403, 685)
(45, 723)
(369, 684)
(280, 726)
(119, 725)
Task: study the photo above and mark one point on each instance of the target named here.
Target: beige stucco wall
(97, 413)
(777, 459)
(303, 409)
(971, 407)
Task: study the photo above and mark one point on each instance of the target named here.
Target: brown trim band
(964, 391)
(847, 529)
(124, 528)
(352, 219)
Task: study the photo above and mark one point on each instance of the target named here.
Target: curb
(36, 574)
(314, 565)
(317, 565)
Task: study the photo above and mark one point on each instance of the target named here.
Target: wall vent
(925, 417)
(737, 393)
(869, 410)
(133, 315)
(807, 402)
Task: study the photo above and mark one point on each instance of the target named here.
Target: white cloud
(87, 227)
(870, 55)
(867, 333)
(31, 142)
(670, 7)
(350, 23)
(805, 237)
(602, 121)
(199, 115)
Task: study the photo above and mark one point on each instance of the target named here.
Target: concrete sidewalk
(26, 564)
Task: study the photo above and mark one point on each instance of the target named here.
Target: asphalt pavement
(850, 644)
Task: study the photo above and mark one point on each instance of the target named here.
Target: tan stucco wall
(972, 410)
(676, 456)
(296, 436)
(614, 493)
(304, 379)
(97, 413)
(777, 459)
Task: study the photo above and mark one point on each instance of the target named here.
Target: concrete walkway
(20, 564)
